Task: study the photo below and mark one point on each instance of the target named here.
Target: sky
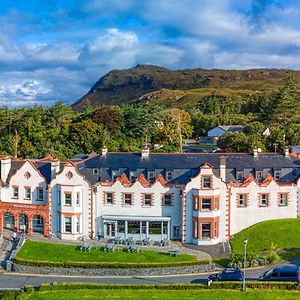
(55, 50)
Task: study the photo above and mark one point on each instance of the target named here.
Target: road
(18, 280)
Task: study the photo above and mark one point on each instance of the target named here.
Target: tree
(234, 142)
(176, 125)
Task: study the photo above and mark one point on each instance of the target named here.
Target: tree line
(58, 130)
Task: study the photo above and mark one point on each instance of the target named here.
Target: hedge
(10, 295)
(230, 285)
(106, 265)
(255, 285)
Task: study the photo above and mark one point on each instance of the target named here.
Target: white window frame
(169, 175)
(242, 200)
(164, 199)
(40, 194)
(285, 203)
(112, 198)
(264, 198)
(151, 199)
(27, 193)
(68, 224)
(65, 200)
(15, 195)
(131, 197)
(151, 175)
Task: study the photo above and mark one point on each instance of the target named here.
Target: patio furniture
(86, 247)
(164, 242)
(109, 247)
(133, 248)
(174, 252)
(147, 241)
(118, 240)
(130, 241)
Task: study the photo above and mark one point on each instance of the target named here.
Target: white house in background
(222, 129)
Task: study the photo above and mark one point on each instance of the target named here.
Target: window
(78, 225)
(167, 200)
(264, 200)
(68, 199)
(28, 193)
(283, 199)
(59, 197)
(155, 227)
(40, 194)
(206, 204)
(16, 192)
(77, 198)
(217, 203)
(95, 171)
(151, 175)
(277, 174)
(147, 199)
(132, 175)
(133, 227)
(242, 200)
(165, 227)
(216, 231)
(121, 226)
(195, 230)
(205, 231)
(109, 198)
(169, 176)
(259, 175)
(115, 174)
(68, 224)
(206, 182)
(240, 176)
(195, 204)
(128, 199)
(176, 231)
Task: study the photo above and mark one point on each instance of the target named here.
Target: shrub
(106, 265)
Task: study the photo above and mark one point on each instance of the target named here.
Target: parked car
(228, 274)
(282, 273)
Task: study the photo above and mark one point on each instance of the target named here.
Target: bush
(253, 260)
(106, 265)
(254, 285)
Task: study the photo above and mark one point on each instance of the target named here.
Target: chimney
(223, 167)
(5, 168)
(286, 151)
(145, 151)
(104, 151)
(55, 167)
(255, 152)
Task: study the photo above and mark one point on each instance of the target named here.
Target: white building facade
(198, 198)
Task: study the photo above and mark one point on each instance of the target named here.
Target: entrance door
(23, 223)
(110, 229)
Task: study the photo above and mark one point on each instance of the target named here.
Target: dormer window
(40, 194)
(95, 171)
(259, 175)
(169, 176)
(277, 174)
(151, 175)
(115, 174)
(240, 176)
(132, 175)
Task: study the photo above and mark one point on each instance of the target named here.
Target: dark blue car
(228, 274)
(282, 273)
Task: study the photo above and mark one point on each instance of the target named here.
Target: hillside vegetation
(127, 86)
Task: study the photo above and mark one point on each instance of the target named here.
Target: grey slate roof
(186, 165)
(232, 128)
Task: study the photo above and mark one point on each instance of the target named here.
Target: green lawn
(38, 251)
(283, 233)
(166, 294)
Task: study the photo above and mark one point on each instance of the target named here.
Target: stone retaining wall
(115, 272)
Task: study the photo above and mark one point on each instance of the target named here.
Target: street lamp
(245, 260)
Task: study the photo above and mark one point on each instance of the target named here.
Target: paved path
(13, 280)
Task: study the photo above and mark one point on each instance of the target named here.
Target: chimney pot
(104, 151)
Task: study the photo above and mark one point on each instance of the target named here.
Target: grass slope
(283, 233)
(165, 294)
(39, 251)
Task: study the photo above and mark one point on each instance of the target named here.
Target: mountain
(148, 82)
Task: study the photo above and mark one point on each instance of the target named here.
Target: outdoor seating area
(147, 241)
(110, 247)
(86, 247)
(174, 252)
(164, 243)
(133, 248)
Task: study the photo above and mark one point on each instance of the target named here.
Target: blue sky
(54, 50)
